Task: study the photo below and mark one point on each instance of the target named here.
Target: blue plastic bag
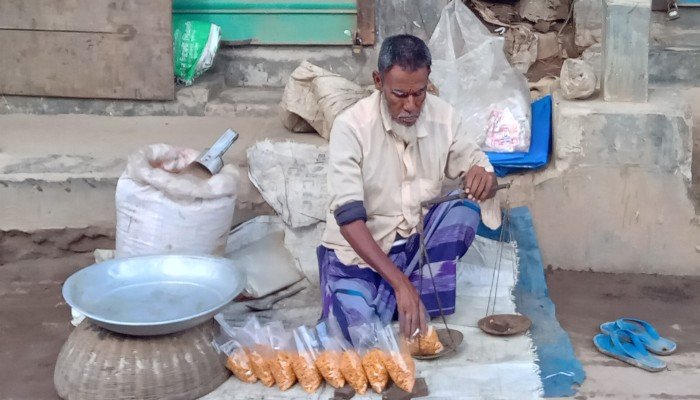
(538, 156)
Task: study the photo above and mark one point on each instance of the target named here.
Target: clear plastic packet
(426, 344)
(397, 359)
(366, 340)
(237, 360)
(281, 355)
(328, 360)
(350, 360)
(257, 347)
(352, 370)
(304, 362)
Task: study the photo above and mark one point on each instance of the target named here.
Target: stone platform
(59, 171)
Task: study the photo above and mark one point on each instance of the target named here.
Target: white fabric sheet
(485, 367)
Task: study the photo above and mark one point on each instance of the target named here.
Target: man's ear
(377, 80)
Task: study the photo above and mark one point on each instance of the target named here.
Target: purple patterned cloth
(355, 295)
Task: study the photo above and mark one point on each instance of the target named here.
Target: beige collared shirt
(392, 168)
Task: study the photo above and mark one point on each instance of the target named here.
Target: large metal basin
(153, 295)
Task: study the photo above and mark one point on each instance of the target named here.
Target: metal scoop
(267, 305)
(210, 161)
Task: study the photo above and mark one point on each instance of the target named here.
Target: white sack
(160, 211)
(302, 243)
(257, 246)
(578, 80)
(314, 96)
(522, 46)
(292, 179)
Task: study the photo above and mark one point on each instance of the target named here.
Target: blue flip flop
(626, 346)
(646, 333)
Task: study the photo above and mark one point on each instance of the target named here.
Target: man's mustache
(407, 115)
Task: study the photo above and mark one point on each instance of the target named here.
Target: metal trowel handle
(211, 159)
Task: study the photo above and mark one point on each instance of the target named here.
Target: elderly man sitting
(388, 153)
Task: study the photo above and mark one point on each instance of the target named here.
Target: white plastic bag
(578, 80)
(304, 363)
(228, 344)
(291, 177)
(257, 246)
(317, 96)
(282, 347)
(302, 244)
(160, 210)
(195, 44)
(472, 73)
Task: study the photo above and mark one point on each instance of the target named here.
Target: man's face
(404, 91)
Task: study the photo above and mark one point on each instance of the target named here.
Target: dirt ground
(34, 322)
(584, 300)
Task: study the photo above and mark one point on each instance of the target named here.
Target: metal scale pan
(153, 295)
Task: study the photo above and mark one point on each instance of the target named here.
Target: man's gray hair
(406, 51)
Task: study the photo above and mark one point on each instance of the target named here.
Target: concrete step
(684, 31)
(60, 171)
(271, 66)
(674, 53)
(209, 96)
(674, 49)
(679, 66)
(674, 46)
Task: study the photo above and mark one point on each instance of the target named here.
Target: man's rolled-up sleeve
(345, 184)
(464, 152)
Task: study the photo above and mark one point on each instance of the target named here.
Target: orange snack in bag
(281, 368)
(401, 368)
(308, 375)
(354, 374)
(260, 365)
(328, 363)
(427, 344)
(239, 364)
(376, 372)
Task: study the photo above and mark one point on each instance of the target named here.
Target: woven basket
(97, 364)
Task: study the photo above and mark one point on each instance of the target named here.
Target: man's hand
(479, 184)
(412, 316)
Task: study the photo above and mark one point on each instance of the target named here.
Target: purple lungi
(355, 295)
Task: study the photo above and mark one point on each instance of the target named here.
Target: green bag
(194, 46)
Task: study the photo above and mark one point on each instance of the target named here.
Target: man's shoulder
(361, 111)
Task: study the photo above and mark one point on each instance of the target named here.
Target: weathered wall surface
(417, 18)
(616, 197)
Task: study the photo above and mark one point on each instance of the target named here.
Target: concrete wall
(417, 18)
(616, 196)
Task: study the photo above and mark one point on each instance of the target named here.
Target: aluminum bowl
(153, 295)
